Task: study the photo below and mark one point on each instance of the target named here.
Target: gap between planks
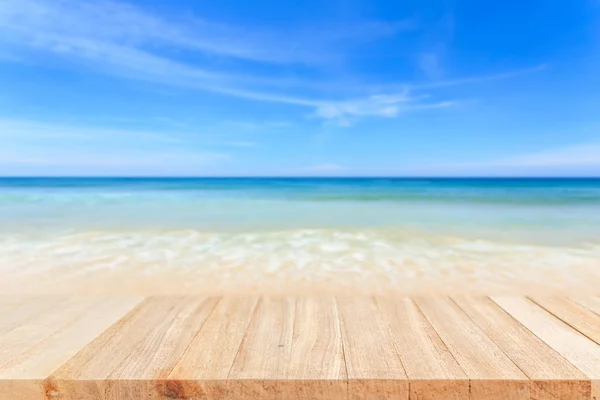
(323, 347)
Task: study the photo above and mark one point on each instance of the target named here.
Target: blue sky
(326, 88)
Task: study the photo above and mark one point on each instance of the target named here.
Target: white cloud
(120, 39)
(114, 21)
(387, 106)
(113, 35)
(477, 79)
(380, 105)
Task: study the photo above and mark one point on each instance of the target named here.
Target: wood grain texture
(58, 314)
(143, 373)
(535, 358)
(203, 369)
(316, 367)
(140, 339)
(579, 317)
(282, 346)
(431, 369)
(491, 373)
(16, 312)
(592, 303)
(264, 354)
(580, 351)
(310, 347)
(372, 361)
(23, 377)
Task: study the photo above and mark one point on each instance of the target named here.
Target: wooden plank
(433, 372)
(31, 332)
(578, 317)
(320, 347)
(18, 311)
(143, 373)
(203, 369)
(580, 351)
(552, 376)
(8, 302)
(23, 377)
(316, 368)
(592, 303)
(491, 373)
(313, 368)
(374, 367)
(142, 338)
(6, 299)
(264, 354)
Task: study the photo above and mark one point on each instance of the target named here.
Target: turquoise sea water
(538, 210)
(304, 228)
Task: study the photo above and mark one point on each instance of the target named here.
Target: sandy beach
(211, 236)
(306, 262)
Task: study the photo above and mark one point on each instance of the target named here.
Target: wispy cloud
(476, 79)
(120, 39)
(112, 21)
(383, 105)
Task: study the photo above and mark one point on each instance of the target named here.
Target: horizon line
(295, 177)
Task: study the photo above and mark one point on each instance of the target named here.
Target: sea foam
(372, 261)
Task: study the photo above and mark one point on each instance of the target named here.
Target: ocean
(292, 235)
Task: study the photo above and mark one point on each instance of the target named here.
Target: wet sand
(103, 282)
(297, 261)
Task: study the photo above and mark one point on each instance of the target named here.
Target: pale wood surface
(256, 347)
(493, 375)
(316, 365)
(576, 348)
(575, 315)
(16, 312)
(213, 350)
(432, 370)
(265, 350)
(591, 303)
(203, 369)
(372, 361)
(24, 376)
(35, 330)
(535, 358)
